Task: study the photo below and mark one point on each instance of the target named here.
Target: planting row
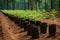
(32, 14)
(33, 27)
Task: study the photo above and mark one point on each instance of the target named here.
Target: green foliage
(53, 14)
(31, 15)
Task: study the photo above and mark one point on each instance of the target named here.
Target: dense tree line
(59, 3)
(30, 4)
(7, 4)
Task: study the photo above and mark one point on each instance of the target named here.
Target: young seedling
(52, 30)
(43, 28)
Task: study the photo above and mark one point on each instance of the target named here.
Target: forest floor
(11, 31)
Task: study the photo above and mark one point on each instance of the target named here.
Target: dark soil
(13, 31)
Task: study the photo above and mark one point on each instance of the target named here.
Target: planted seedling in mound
(16, 20)
(43, 28)
(52, 30)
(38, 23)
(22, 22)
(26, 23)
(34, 30)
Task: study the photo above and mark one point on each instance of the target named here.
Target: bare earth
(12, 31)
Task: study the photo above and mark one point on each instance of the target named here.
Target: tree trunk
(7, 4)
(31, 4)
(13, 4)
(59, 3)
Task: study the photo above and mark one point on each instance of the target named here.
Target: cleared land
(12, 31)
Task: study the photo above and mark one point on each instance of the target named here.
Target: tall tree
(31, 4)
(13, 4)
(59, 3)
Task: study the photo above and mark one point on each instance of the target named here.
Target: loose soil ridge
(12, 31)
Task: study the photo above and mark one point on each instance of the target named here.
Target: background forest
(30, 4)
